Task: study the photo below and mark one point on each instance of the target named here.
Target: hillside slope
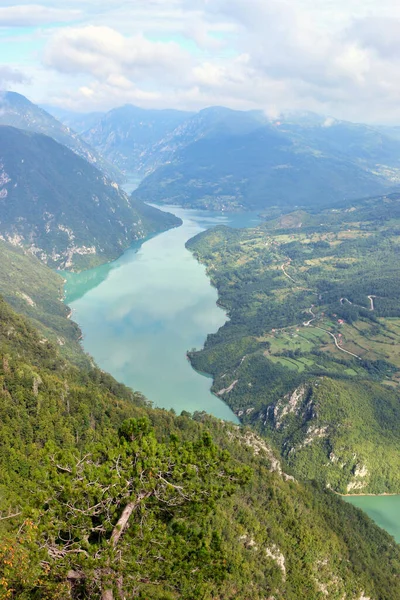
(36, 291)
(17, 111)
(257, 170)
(310, 356)
(62, 208)
(210, 512)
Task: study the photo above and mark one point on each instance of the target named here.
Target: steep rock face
(338, 433)
(18, 111)
(62, 208)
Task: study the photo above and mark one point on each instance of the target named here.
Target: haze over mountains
(217, 158)
(126, 136)
(240, 163)
(225, 159)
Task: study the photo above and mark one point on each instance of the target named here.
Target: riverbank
(143, 312)
(383, 509)
(366, 495)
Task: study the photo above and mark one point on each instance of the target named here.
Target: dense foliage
(310, 355)
(36, 291)
(102, 496)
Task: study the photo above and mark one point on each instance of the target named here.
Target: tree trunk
(124, 518)
(118, 532)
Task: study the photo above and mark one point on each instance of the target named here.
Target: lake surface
(384, 510)
(140, 314)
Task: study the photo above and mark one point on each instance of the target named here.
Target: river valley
(140, 314)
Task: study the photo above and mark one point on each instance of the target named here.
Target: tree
(133, 512)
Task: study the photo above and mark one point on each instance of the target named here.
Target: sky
(335, 57)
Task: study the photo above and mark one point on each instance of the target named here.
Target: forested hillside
(102, 496)
(62, 208)
(36, 291)
(231, 160)
(310, 355)
(255, 171)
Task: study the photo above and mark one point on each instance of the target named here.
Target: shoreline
(364, 495)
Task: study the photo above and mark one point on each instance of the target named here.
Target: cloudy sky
(336, 57)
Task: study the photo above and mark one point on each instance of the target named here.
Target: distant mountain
(371, 147)
(18, 111)
(79, 122)
(228, 169)
(214, 121)
(62, 208)
(226, 159)
(126, 135)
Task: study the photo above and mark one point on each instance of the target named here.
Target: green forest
(102, 496)
(310, 355)
(100, 493)
(62, 208)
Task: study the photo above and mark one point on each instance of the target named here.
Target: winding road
(338, 346)
(314, 316)
(310, 311)
(370, 298)
(287, 275)
(337, 343)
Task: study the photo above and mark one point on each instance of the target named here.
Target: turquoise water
(140, 315)
(384, 510)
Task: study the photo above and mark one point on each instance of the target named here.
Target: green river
(384, 510)
(140, 314)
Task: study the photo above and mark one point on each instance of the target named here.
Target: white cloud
(110, 57)
(329, 122)
(9, 75)
(26, 15)
(379, 34)
(339, 58)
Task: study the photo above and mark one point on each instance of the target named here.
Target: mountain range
(126, 135)
(255, 165)
(224, 159)
(103, 496)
